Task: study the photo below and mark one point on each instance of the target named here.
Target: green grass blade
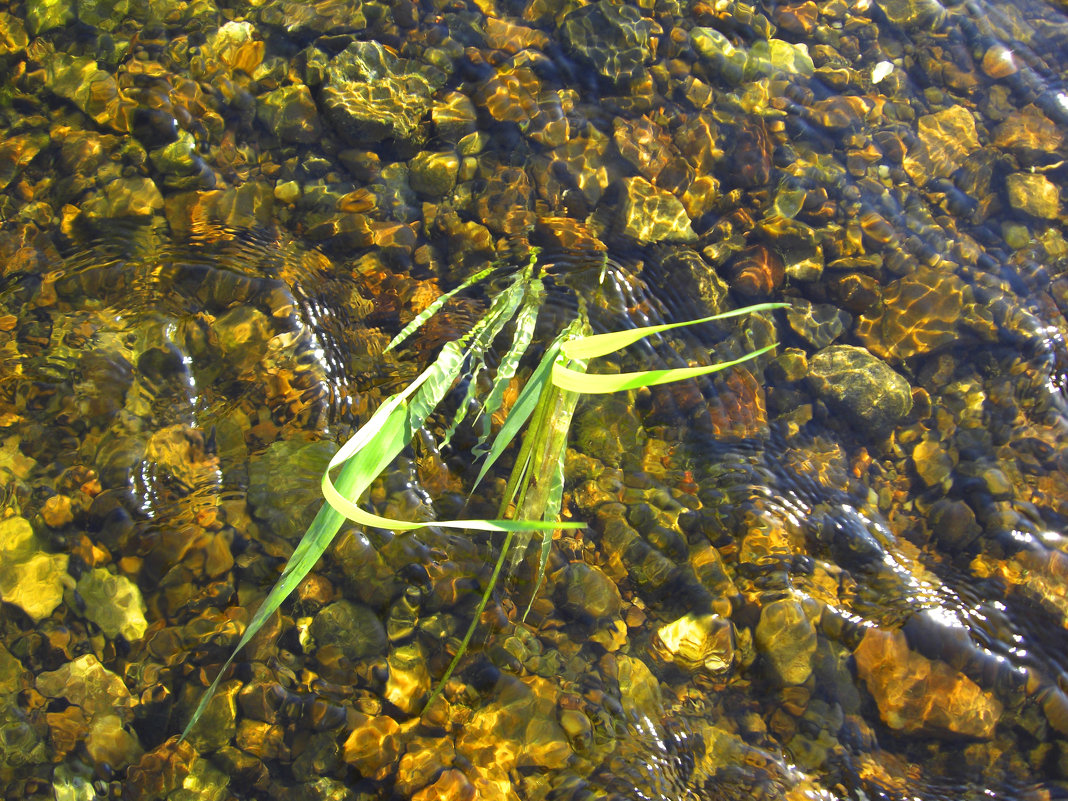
(602, 344)
(481, 337)
(474, 623)
(525, 322)
(523, 407)
(588, 384)
(433, 309)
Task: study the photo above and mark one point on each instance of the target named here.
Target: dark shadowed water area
(838, 571)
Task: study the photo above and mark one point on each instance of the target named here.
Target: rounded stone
(433, 174)
(867, 390)
(787, 639)
(589, 593)
(290, 114)
(354, 629)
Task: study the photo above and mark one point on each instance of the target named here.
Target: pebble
(866, 389)
(1034, 194)
(114, 603)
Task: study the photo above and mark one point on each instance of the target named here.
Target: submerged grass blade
(433, 309)
(525, 321)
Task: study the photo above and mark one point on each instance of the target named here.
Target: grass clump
(541, 415)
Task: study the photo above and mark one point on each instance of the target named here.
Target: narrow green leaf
(602, 344)
(433, 308)
(521, 410)
(600, 384)
(525, 322)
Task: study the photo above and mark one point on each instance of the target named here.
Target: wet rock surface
(860, 386)
(838, 569)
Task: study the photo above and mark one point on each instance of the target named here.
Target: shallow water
(835, 572)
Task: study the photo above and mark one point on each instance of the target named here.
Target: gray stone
(612, 39)
(864, 388)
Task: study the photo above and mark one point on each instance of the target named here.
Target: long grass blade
(525, 322)
(600, 384)
(602, 344)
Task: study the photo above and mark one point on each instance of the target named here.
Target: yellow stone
(787, 639)
(1034, 194)
(374, 746)
(88, 684)
(946, 138)
(915, 694)
(114, 603)
(35, 584)
(697, 643)
(56, 511)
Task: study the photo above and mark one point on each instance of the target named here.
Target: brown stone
(374, 746)
(914, 694)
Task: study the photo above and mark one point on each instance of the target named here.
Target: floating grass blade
(587, 384)
(602, 344)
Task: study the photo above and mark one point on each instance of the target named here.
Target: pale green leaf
(602, 344)
(598, 384)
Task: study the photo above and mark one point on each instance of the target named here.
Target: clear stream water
(838, 571)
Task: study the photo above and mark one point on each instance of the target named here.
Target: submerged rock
(650, 214)
(44, 15)
(371, 95)
(586, 592)
(353, 629)
(290, 113)
(433, 174)
(29, 578)
(697, 642)
(787, 639)
(612, 39)
(819, 324)
(114, 603)
(87, 684)
(925, 311)
(865, 388)
(1034, 194)
(283, 485)
(945, 139)
(915, 694)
